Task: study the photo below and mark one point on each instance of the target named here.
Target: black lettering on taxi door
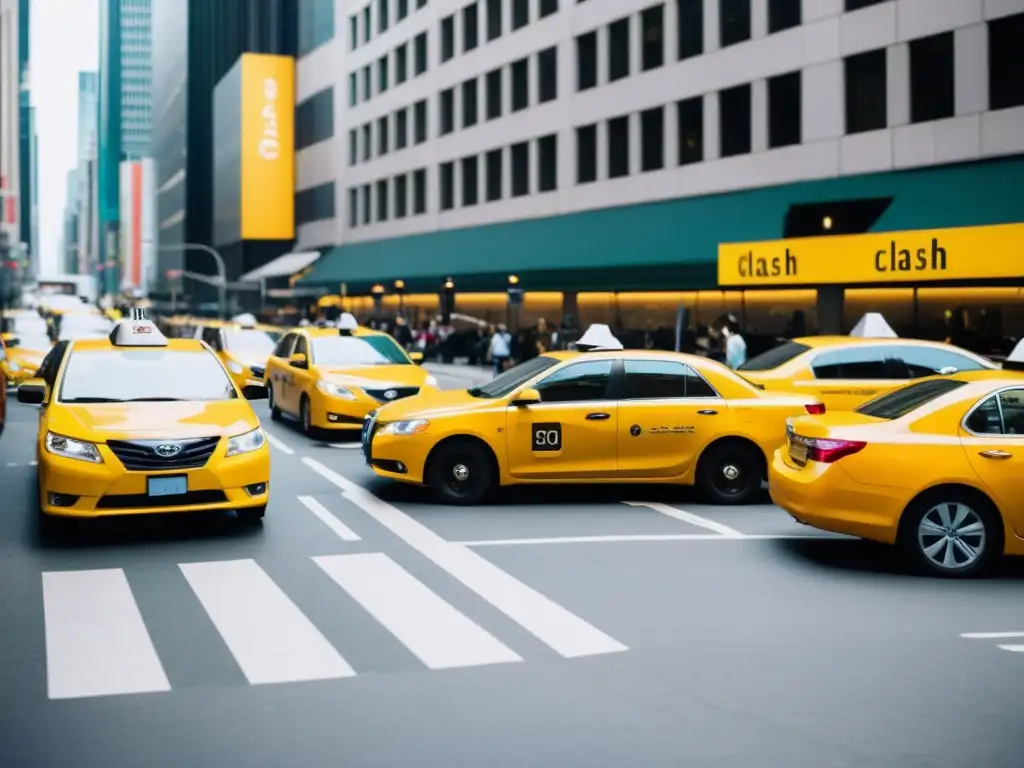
(546, 436)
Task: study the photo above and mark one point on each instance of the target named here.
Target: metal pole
(221, 269)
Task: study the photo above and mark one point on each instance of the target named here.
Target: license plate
(168, 486)
(798, 453)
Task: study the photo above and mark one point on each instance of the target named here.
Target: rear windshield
(902, 401)
(774, 357)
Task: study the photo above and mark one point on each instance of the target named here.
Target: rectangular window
(866, 92)
(382, 74)
(520, 169)
(401, 63)
(367, 141)
(382, 15)
(382, 135)
(314, 119)
(547, 7)
(446, 180)
(419, 45)
(367, 26)
(494, 93)
(784, 110)
(353, 207)
(494, 24)
(469, 103)
(403, 9)
(401, 129)
(734, 119)
(520, 13)
(783, 14)
(618, 50)
(618, 147)
(419, 191)
(652, 24)
(734, 17)
(353, 32)
(493, 167)
(470, 181)
(401, 197)
(520, 84)
(421, 4)
(314, 204)
(447, 38)
(353, 89)
(932, 92)
(586, 154)
(586, 61)
(367, 83)
(470, 27)
(547, 163)
(1006, 62)
(547, 75)
(382, 200)
(652, 139)
(689, 28)
(353, 147)
(367, 206)
(447, 124)
(419, 120)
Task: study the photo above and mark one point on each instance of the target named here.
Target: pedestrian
(735, 345)
(500, 348)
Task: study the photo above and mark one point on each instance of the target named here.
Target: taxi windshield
(249, 342)
(140, 375)
(342, 351)
(513, 378)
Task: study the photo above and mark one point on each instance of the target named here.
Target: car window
(578, 382)
(301, 347)
(514, 378)
(1001, 414)
(852, 363)
(284, 346)
(51, 363)
(774, 357)
(985, 419)
(248, 342)
(341, 351)
(900, 402)
(917, 362)
(212, 337)
(659, 379)
(121, 375)
(1011, 403)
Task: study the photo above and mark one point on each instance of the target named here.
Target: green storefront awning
(670, 245)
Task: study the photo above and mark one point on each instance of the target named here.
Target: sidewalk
(473, 374)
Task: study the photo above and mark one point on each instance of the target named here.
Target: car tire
(460, 473)
(305, 417)
(275, 412)
(934, 539)
(252, 514)
(730, 472)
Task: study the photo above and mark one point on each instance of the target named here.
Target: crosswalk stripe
(97, 643)
(343, 531)
(270, 638)
(1013, 648)
(434, 631)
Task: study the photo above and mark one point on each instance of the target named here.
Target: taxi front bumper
(397, 457)
(75, 488)
(331, 412)
(825, 496)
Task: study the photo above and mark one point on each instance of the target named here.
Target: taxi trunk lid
(827, 438)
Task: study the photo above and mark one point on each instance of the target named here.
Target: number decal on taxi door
(547, 436)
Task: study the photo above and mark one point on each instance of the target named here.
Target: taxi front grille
(142, 501)
(391, 393)
(149, 455)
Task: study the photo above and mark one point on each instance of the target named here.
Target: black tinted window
(1001, 414)
(1012, 403)
(855, 363)
(284, 346)
(212, 337)
(985, 420)
(579, 382)
(916, 362)
(144, 374)
(513, 378)
(774, 357)
(657, 379)
(902, 401)
(51, 363)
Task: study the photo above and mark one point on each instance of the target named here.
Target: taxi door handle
(598, 416)
(707, 412)
(996, 454)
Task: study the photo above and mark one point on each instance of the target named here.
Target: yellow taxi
(607, 415)
(845, 371)
(137, 423)
(3, 409)
(23, 347)
(331, 378)
(936, 467)
(244, 347)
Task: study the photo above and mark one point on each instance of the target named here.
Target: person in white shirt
(500, 349)
(735, 346)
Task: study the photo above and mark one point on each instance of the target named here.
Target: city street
(361, 625)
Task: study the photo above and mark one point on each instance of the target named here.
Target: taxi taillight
(815, 409)
(829, 450)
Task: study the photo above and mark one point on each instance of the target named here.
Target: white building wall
(816, 48)
(137, 225)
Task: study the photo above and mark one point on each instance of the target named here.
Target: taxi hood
(99, 422)
(30, 356)
(432, 404)
(376, 376)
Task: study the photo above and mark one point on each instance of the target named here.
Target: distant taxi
(331, 378)
(136, 423)
(244, 348)
(623, 416)
(845, 371)
(23, 348)
(936, 467)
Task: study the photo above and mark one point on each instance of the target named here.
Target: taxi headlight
(235, 367)
(431, 381)
(72, 449)
(407, 427)
(13, 367)
(247, 443)
(335, 390)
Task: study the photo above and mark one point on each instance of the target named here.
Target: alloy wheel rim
(730, 479)
(952, 536)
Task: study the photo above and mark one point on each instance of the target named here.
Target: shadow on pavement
(57, 533)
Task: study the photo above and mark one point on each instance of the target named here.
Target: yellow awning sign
(915, 256)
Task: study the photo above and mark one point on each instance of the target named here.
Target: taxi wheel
(730, 472)
(252, 514)
(306, 417)
(460, 473)
(275, 412)
(951, 532)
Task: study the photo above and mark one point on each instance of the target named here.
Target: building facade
(27, 139)
(138, 226)
(611, 145)
(10, 128)
(69, 238)
(136, 78)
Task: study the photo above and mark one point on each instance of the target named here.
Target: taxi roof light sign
(347, 323)
(137, 330)
(873, 326)
(1015, 360)
(246, 320)
(598, 338)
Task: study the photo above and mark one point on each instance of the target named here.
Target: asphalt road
(362, 626)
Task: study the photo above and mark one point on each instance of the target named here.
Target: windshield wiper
(93, 400)
(154, 400)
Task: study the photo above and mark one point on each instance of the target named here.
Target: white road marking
(435, 632)
(646, 537)
(96, 641)
(270, 638)
(991, 635)
(344, 532)
(33, 463)
(1013, 648)
(688, 517)
(565, 632)
(346, 446)
(276, 442)
(12, 463)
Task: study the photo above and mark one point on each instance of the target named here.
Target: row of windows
(360, 140)
(361, 84)
(363, 22)
(397, 197)
(518, 17)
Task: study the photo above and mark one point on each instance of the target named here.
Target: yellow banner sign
(927, 255)
(268, 147)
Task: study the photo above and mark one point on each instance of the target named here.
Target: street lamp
(400, 291)
(515, 300)
(447, 301)
(222, 272)
(378, 299)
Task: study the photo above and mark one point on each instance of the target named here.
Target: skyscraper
(81, 205)
(10, 146)
(26, 136)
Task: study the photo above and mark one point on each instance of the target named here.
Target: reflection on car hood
(376, 376)
(432, 404)
(113, 421)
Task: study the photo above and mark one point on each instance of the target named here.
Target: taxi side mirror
(254, 392)
(32, 392)
(298, 360)
(528, 396)
(416, 357)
